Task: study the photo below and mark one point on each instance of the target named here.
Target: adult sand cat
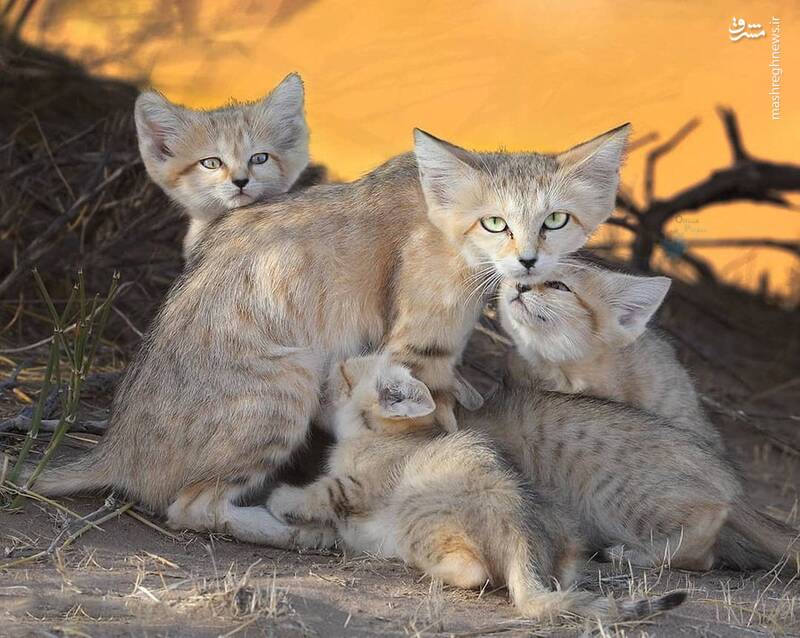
(396, 486)
(229, 377)
(585, 331)
(212, 161)
(633, 479)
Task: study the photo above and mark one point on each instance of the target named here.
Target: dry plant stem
(145, 521)
(111, 504)
(71, 539)
(53, 233)
(36, 419)
(68, 329)
(80, 356)
(35, 496)
(22, 423)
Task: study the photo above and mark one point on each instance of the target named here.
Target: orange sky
(482, 73)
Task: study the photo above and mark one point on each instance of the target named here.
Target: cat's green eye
(211, 163)
(494, 224)
(259, 158)
(556, 220)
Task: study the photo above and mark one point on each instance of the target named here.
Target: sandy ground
(132, 580)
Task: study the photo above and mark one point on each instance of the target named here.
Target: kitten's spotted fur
(230, 374)
(212, 161)
(396, 486)
(585, 331)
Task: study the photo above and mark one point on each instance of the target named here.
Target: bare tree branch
(639, 142)
(734, 135)
(746, 179)
(662, 149)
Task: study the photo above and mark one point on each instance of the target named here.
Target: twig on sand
(35, 496)
(22, 423)
(11, 382)
(135, 515)
(109, 510)
(742, 416)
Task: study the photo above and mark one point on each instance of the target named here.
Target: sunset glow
(485, 74)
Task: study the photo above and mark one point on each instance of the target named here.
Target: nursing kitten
(446, 504)
(632, 479)
(229, 377)
(585, 331)
(212, 161)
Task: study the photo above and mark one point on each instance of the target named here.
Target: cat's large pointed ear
(158, 123)
(445, 170)
(602, 154)
(401, 396)
(632, 302)
(282, 112)
(595, 165)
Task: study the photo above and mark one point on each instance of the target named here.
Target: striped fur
(447, 504)
(647, 485)
(585, 331)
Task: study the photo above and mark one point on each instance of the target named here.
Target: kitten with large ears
(212, 161)
(396, 486)
(585, 331)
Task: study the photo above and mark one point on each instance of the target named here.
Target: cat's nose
(528, 263)
(241, 183)
(521, 288)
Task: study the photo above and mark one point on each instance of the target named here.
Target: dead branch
(733, 133)
(22, 423)
(639, 142)
(659, 151)
(747, 179)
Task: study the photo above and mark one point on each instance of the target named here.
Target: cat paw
(284, 503)
(316, 538)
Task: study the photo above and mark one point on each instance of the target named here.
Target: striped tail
(534, 600)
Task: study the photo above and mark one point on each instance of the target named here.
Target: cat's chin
(527, 279)
(241, 199)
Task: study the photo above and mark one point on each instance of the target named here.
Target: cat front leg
(212, 506)
(326, 501)
(431, 328)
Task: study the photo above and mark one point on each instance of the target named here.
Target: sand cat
(396, 486)
(633, 479)
(585, 331)
(212, 161)
(229, 377)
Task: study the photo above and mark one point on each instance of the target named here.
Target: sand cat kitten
(585, 331)
(212, 161)
(229, 377)
(398, 487)
(632, 479)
